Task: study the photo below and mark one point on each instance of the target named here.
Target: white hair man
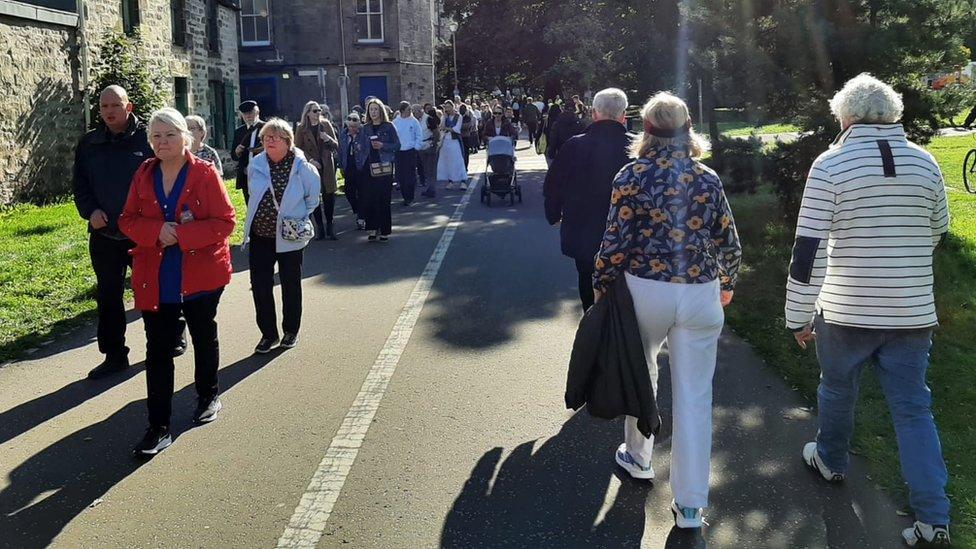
(860, 285)
(578, 184)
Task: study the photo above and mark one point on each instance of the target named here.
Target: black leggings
(327, 206)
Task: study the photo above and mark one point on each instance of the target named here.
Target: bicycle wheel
(968, 173)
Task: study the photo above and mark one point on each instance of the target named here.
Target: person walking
(420, 115)
(199, 148)
(285, 189)
(316, 137)
(579, 182)
(353, 153)
(410, 134)
(553, 114)
(670, 233)
(450, 163)
(860, 286)
(531, 116)
(565, 123)
(430, 149)
(105, 160)
(180, 217)
(467, 126)
(499, 125)
(377, 183)
(246, 143)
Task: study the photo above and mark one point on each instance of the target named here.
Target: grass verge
(758, 317)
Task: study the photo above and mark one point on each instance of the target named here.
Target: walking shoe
(686, 517)
(156, 440)
(450, 186)
(636, 470)
(289, 340)
(464, 186)
(812, 458)
(207, 410)
(372, 236)
(926, 535)
(384, 238)
(265, 345)
(180, 348)
(360, 224)
(109, 366)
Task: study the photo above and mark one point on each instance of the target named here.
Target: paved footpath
(423, 407)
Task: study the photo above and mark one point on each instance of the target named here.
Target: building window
(213, 27)
(181, 95)
(219, 120)
(369, 16)
(177, 9)
(255, 23)
(130, 16)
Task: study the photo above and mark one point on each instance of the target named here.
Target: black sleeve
(85, 199)
(552, 187)
(804, 254)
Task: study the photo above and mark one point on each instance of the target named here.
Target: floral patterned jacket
(669, 220)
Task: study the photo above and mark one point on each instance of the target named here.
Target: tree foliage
(122, 61)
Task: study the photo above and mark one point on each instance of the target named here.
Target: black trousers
(585, 270)
(110, 259)
(421, 175)
(163, 330)
(352, 178)
(262, 257)
(532, 128)
(328, 208)
(376, 193)
(406, 169)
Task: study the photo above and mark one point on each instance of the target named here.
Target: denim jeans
(901, 357)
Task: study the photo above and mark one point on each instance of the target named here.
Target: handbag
(540, 144)
(293, 229)
(380, 169)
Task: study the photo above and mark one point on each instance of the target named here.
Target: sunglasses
(351, 119)
(497, 112)
(316, 110)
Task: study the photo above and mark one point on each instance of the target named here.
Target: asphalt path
(470, 445)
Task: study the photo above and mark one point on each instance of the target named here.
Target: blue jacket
(388, 136)
(301, 197)
(360, 148)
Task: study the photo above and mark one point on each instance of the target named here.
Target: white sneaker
(636, 470)
(926, 535)
(450, 186)
(686, 517)
(464, 186)
(812, 459)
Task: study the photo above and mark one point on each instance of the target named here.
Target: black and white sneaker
(207, 410)
(289, 340)
(265, 345)
(926, 535)
(156, 440)
(360, 224)
(812, 458)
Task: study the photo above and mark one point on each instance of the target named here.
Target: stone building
(47, 48)
(338, 52)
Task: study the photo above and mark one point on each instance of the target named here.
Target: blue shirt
(171, 270)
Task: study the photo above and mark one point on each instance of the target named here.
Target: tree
(121, 62)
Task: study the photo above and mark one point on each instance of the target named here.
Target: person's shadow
(553, 496)
(52, 487)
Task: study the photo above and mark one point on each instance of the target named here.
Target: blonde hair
(171, 117)
(667, 111)
(198, 120)
(383, 114)
(279, 127)
(303, 121)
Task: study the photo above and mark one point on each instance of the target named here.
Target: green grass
(757, 315)
(46, 275)
(744, 129)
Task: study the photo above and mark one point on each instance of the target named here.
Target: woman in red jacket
(180, 217)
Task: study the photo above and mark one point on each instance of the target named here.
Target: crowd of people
(638, 211)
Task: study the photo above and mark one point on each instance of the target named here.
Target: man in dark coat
(531, 117)
(578, 184)
(105, 160)
(246, 142)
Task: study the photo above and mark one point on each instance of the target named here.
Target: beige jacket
(320, 151)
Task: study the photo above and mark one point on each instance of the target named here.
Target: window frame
(367, 15)
(253, 17)
(131, 16)
(178, 32)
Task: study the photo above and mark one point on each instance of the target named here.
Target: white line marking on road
(307, 524)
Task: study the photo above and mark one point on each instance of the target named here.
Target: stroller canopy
(501, 145)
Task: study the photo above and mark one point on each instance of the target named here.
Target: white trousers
(690, 318)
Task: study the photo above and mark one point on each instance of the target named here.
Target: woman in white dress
(450, 163)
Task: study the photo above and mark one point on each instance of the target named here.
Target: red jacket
(204, 241)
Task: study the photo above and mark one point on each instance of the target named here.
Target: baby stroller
(501, 180)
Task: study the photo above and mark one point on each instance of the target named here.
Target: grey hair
(174, 118)
(668, 112)
(868, 100)
(198, 120)
(117, 90)
(611, 103)
(279, 127)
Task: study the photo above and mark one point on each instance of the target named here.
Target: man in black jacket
(105, 161)
(246, 142)
(577, 187)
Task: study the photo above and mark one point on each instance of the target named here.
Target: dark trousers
(376, 195)
(421, 175)
(585, 270)
(262, 258)
(351, 185)
(328, 208)
(532, 128)
(110, 259)
(406, 169)
(428, 158)
(163, 330)
(466, 152)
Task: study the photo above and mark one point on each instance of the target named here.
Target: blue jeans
(901, 357)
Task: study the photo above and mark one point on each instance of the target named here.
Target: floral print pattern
(669, 221)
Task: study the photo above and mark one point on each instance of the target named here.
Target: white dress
(450, 161)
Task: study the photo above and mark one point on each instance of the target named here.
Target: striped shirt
(873, 210)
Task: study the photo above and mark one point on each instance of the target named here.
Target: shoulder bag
(293, 229)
